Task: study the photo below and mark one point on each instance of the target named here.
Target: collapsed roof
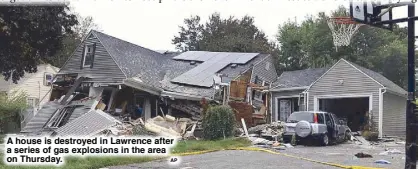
(188, 73)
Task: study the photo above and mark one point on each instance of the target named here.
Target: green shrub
(10, 107)
(218, 122)
(370, 136)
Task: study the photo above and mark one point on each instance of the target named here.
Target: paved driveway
(231, 159)
(344, 154)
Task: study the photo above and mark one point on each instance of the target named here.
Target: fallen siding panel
(88, 124)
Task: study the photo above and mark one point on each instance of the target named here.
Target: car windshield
(299, 116)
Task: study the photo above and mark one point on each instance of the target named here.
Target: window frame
(46, 82)
(85, 54)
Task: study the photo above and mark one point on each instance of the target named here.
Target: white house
(37, 85)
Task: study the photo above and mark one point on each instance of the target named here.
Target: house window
(48, 79)
(88, 56)
(32, 102)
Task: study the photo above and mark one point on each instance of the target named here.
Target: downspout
(307, 101)
(35, 107)
(271, 105)
(381, 92)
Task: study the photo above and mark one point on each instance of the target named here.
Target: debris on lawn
(382, 162)
(363, 155)
(389, 140)
(258, 141)
(392, 151)
(360, 140)
(288, 145)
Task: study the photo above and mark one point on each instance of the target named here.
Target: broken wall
(243, 110)
(238, 89)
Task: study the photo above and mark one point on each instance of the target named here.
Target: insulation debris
(274, 129)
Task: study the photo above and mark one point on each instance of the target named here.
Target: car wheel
(325, 140)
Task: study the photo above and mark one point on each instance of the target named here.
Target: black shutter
(92, 55)
(82, 57)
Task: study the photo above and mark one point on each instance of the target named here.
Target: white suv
(315, 125)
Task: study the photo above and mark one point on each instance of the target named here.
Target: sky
(153, 25)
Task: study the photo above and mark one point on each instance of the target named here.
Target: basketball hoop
(343, 29)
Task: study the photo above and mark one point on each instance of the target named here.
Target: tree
(85, 25)
(71, 40)
(222, 35)
(310, 44)
(189, 35)
(29, 35)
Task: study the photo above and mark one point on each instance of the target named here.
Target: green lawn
(181, 147)
(194, 145)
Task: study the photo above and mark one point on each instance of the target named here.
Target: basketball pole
(411, 138)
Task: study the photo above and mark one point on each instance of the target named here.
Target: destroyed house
(121, 75)
(346, 89)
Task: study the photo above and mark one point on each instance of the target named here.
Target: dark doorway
(107, 93)
(353, 110)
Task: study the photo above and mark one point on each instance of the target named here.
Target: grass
(99, 162)
(194, 145)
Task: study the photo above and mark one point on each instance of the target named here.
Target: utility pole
(411, 138)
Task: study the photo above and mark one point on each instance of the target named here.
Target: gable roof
(379, 78)
(157, 69)
(308, 77)
(298, 78)
(133, 60)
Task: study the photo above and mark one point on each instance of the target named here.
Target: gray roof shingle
(89, 124)
(134, 60)
(298, 78)
(174, 68)
(37, 122)
(304, 78)
(156, 69)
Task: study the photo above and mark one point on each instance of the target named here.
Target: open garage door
(353, 110)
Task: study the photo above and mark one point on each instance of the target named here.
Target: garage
(349, 91)
(354, 110)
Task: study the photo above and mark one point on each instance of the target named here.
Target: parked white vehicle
(319, 126)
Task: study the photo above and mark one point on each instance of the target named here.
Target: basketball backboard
(367, 12)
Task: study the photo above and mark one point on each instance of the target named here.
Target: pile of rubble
(163, 126)
(266, 135)
(273, 130)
